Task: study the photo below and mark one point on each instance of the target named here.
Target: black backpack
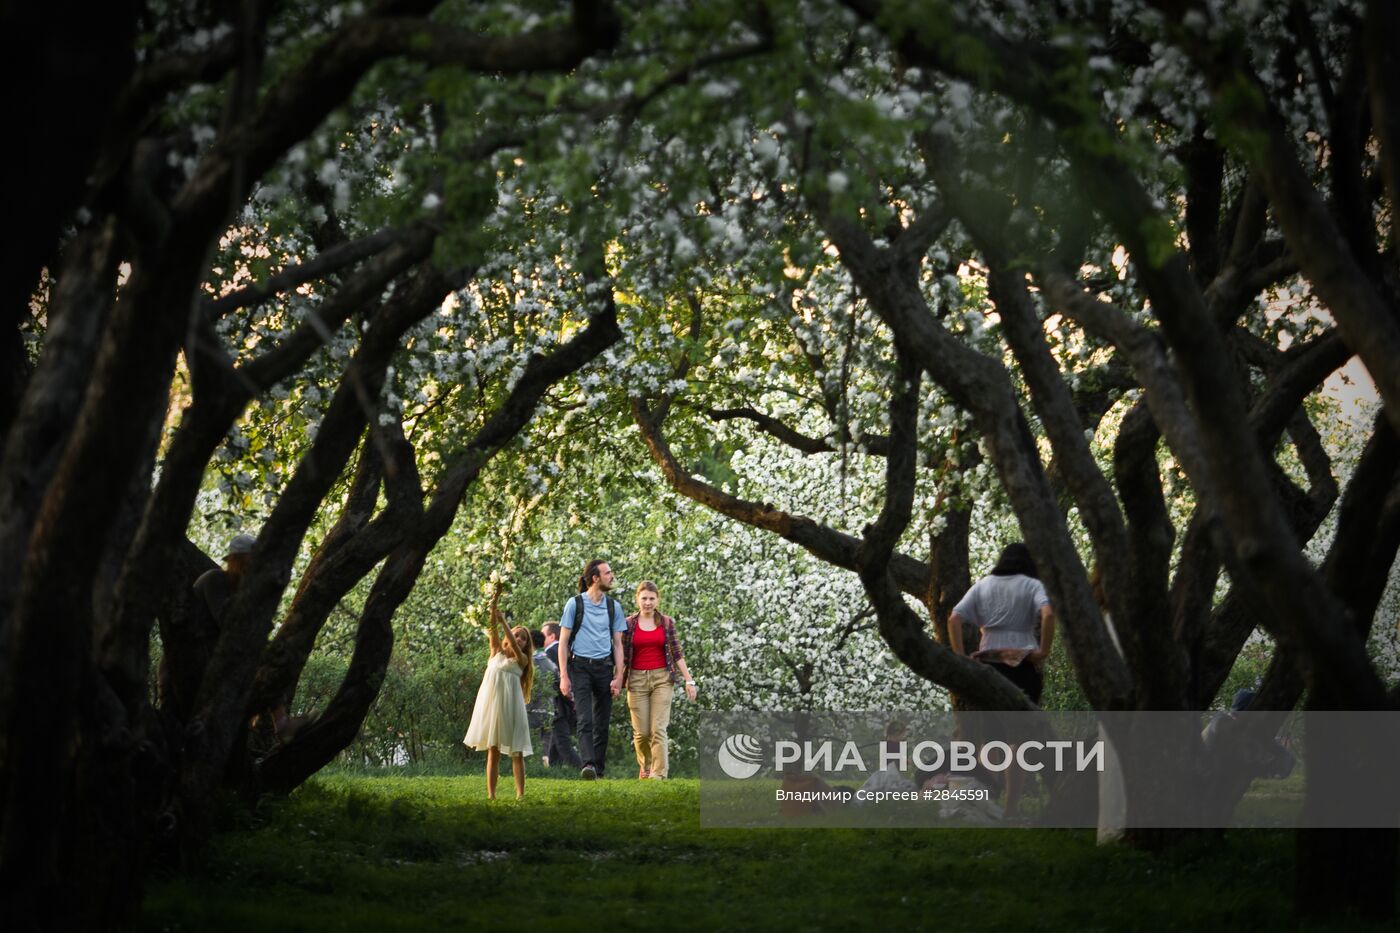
(578, 621)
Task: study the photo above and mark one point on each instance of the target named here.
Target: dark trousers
(1025, 676)
(559, 747)
(592, 682)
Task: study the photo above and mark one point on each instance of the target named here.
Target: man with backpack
(590, 650)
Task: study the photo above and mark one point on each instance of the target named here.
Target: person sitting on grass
(809, 794)
(500, 723)
(889, 777)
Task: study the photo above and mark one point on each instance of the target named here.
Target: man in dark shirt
(560, 748)
(188, 647)
(215, 587)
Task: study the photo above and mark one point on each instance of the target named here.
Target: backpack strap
(578, 624)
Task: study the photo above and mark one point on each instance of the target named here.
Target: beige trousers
(649, 695)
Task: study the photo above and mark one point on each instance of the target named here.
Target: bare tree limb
(874, 444)
(331, 261)
(826, 543)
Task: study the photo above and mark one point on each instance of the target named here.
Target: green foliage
(420, 714)
(1247, 672)
(730, 296)
(1061, 690)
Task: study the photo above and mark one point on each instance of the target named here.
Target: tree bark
(223, 695)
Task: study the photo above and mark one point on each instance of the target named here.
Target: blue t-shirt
(594, 639)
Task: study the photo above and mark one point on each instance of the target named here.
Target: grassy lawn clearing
(355, 852)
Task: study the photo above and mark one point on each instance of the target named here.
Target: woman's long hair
(525, 658)
(1015, 559)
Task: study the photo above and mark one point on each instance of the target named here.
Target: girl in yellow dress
(499, 721)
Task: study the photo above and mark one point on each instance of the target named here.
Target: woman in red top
(654, 664)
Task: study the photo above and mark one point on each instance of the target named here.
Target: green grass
(356, 852)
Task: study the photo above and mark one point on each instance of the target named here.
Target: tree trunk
(317, 744)
(1347, 870)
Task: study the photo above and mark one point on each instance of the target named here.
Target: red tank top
(648, 649)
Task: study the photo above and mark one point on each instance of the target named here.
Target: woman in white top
(1007, 605)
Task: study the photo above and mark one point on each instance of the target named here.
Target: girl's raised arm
(495, 619)
(508, 644)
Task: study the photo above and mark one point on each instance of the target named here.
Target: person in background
(215, 587)
(654, 665)
(888, 777)
(1008, 605)
(212, 592)
(541, 706)
(1258, 750)
(560, 750)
